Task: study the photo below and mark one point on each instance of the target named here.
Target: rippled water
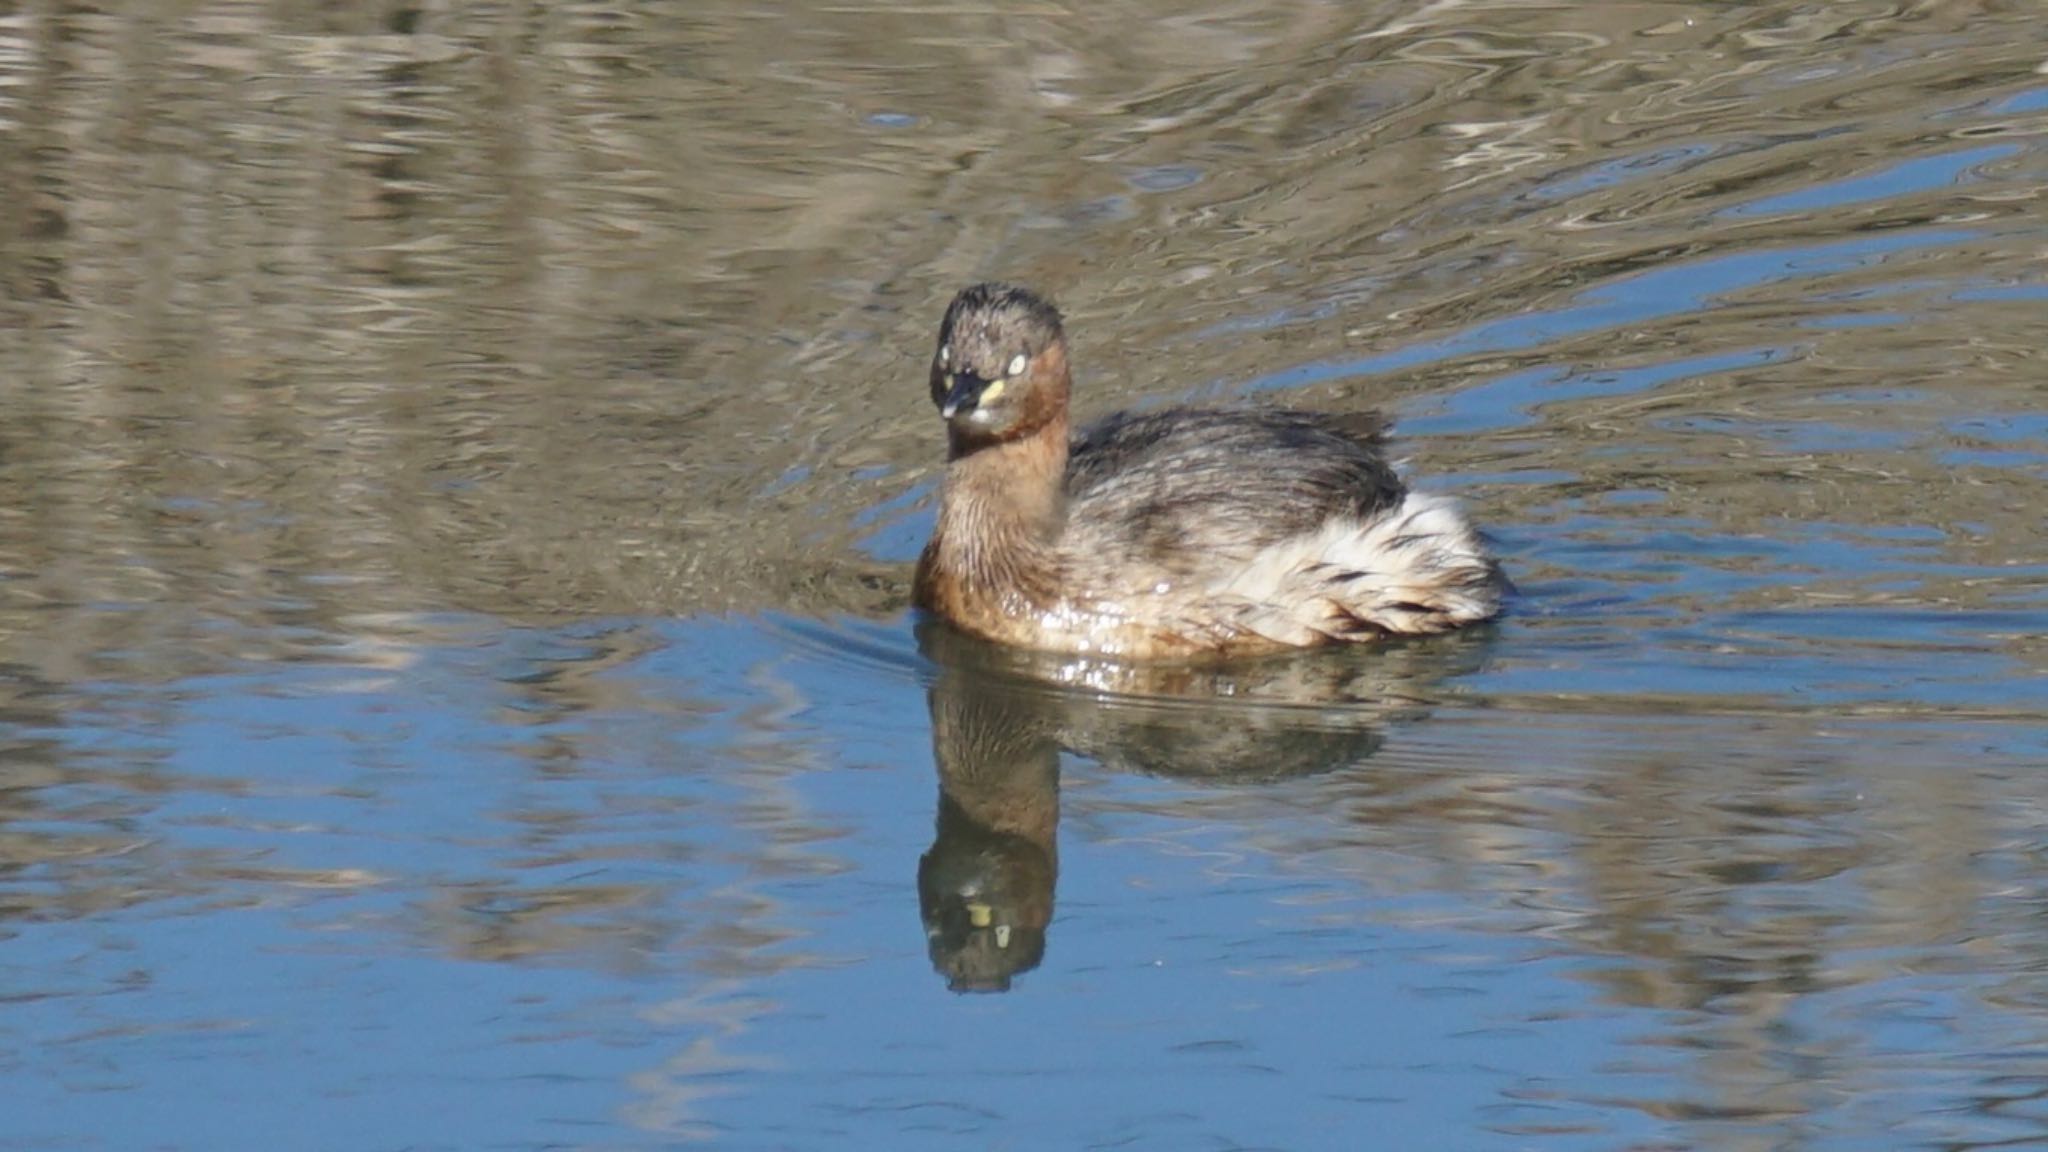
(460, 470)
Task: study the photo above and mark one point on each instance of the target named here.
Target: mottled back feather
(1181, 487)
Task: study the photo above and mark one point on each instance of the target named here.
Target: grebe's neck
(1011, 489)
(1001, 509)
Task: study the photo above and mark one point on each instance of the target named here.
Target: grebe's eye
(945, 353)
(1017, 363)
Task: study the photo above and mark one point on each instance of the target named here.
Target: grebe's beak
(966, 392)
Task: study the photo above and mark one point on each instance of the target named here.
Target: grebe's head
(1000, 369)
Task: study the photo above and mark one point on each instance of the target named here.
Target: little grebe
(1178, 533)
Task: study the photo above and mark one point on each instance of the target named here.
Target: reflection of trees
(1756, 880)
(328, 312)
(572, 842)
(70, 845)
(520, 307)
(1775, 905)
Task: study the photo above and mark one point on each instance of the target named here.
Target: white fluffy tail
(1419, 568)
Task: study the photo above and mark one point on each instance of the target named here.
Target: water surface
(461, 469)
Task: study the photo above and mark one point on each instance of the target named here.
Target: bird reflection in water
(985, 888)
(1001, 717)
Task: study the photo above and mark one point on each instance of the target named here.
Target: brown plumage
(1175, 533)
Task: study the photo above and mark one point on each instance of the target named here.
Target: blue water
(436, 901)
